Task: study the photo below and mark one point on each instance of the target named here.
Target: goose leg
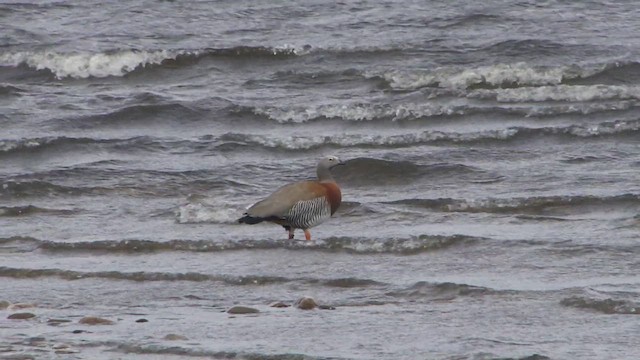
(307, 234)
(290, 233)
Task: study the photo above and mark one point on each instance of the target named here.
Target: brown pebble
(66, 351)
(93, 320)
(142, 320)
(279, 304)
(4, 304)
(242, 310)
(21, 316)
(306, 303)
(174, 337)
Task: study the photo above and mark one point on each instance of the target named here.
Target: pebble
(66, 351)
(142, 320)
(93, 320)
(242, 310)
(174, 337)
(21, 316)
(58, 321)
(279, 304)
(306, 303)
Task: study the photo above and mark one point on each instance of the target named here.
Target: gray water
(490, 198)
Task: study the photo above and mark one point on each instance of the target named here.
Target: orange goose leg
(307, 234)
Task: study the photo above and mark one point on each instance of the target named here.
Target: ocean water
(491, 196)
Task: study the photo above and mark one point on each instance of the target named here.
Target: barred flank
(309, 213)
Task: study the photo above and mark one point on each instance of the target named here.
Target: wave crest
(494, 76)
(439, 291)
(531, 205)
(410, 245)
(82, 65)
(573, 93)
(616, 128)
(14, 211)
(605, 306)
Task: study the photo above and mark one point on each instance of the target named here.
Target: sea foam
(86, 64)
(498, 75)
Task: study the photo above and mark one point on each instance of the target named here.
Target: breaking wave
(530, 205)
(295, 143)
(507, 76)
(494, 76)
(14, 211)
(409, 245)
(568, 93)
(605, 306)
(122, 62)
(423, 290)
(233, 141)
(23, 146)
(26, 273)
(517, 103)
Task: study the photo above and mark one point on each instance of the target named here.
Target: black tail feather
(248, 219)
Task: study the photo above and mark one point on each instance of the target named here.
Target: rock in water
(57, 322)
(92, 320)
(21, 316)
(306, 303)
(242, 310)
(279, 304)
(174, 337)
(4, 304)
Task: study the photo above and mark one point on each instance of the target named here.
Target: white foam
(359, 112)
(351, 140)
(573, 93)
(202, 212)
(426, 137)
(85, 64)
(10, 145)
(608, 128)
(495, 75)
(577, 108)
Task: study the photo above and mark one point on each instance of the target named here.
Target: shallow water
(491, 193)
